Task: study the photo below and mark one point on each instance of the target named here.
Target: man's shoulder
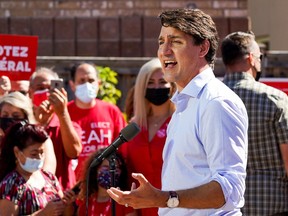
(217, 91)
(271, 93)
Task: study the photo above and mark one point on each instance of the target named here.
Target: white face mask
(31, 164)
(86, 92)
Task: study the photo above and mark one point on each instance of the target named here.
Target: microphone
(126, 134)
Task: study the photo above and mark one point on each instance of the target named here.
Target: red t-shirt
(64, 171)
(100, 125)
(146, 157)
(101, 208)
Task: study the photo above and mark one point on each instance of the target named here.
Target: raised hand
(145, 196)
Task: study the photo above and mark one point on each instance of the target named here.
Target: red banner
(279, 83)
(18, 56)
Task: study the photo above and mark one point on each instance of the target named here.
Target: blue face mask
(104, 178)
(31, 164)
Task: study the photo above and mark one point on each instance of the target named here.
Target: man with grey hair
(51, 111)
(267, 167)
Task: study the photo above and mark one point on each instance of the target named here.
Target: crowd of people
(206, 146)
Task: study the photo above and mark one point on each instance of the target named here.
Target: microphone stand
(112, 167)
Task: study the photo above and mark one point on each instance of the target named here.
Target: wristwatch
(173, 200)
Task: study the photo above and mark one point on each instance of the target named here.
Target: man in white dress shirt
(205, 153)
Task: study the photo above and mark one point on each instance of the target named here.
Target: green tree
(108, 91)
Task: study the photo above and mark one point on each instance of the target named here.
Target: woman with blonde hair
(15, 107)
(152, 112)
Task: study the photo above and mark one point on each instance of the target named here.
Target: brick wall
(107, 28)
(120, 28)
(100, 8)
(122, 36)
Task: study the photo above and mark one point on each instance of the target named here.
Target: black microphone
(126, 134)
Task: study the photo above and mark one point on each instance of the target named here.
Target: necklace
(157, 121)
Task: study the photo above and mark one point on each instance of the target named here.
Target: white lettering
(83, 138)
(27, 68)
(20, 66)
(100, 125)
(14, 66)
(3, 64)
(11, 66)
(16, 51)
(107, 136)
(93, 136)
(100, 138)
(24, 52)
(89, 148)
(8, 50)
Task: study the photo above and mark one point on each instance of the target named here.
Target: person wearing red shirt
(100, 204)
(152, 112)
(53, 114)
(101, 122)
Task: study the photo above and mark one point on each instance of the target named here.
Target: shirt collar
(238, 76)
(194, 87)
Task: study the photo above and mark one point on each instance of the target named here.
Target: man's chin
(169, 77)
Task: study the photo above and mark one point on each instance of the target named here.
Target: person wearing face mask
(152, 112)
(99, 201)
(26, 188)
(51, 112)
(267, 167)
(101, 122)
(15, 107)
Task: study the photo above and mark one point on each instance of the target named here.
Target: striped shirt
(266, 181)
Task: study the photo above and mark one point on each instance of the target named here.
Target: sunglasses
(258, 57)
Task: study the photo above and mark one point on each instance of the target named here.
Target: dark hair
(73, 69)
(22, 135)
(235, 46)
(195, 23)
(93, 183)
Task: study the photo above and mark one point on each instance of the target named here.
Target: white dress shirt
(206, 141)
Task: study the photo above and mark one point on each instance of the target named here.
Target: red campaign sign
(279, 83)
(18, 56)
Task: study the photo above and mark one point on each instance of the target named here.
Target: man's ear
(72, 85)
(204, 48)
(251, 59)
(99, 82)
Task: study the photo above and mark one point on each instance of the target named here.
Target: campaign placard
(18, 56)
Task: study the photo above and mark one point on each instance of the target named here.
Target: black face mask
(5, 123)
(258, 75)
(157, 96)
